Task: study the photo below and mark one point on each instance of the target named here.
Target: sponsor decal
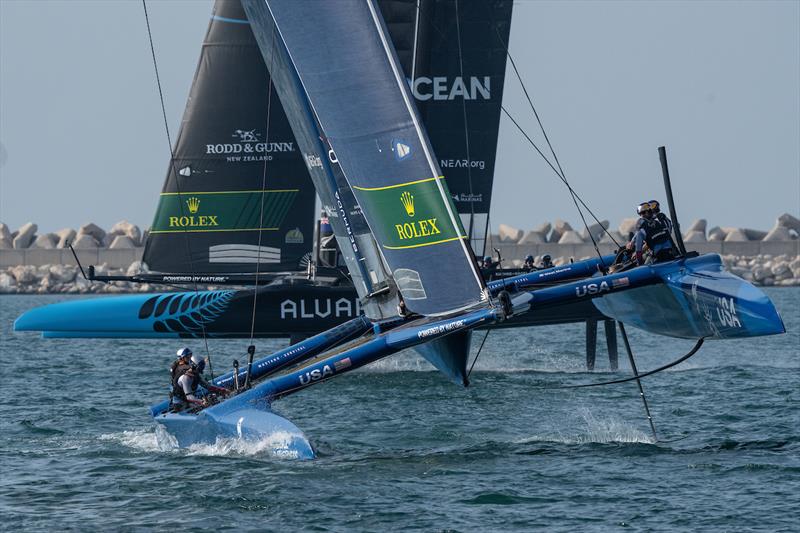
(342, 364)
(410, 214)
(312, 161)
(315, 375)
(319, 308)
(185, 171)
(247, 146)
(191, 221)
(468, 197)
(194, 279)
(223, 211)
(442, 328)
(401, 149)
(294, 236)
(445, 88)
(462, 163)
(591, 288)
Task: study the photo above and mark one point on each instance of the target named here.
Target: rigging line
(575, 196)
(263, 190)
(681, 359)
(177, 176)
(466, 130)
(638, 380)
(477, 354)
(541, 126)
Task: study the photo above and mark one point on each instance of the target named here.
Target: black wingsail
(458, 88)
(209, 217)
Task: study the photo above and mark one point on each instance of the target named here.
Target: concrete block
(509, 233)
(24, 236)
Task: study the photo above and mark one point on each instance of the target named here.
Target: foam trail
(159, 440)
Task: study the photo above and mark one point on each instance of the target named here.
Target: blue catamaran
(352, 113)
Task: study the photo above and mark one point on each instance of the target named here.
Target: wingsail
(364, 107)
(209, 217)
(453, 53)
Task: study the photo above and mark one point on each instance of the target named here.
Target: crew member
(529, 264)
(180, 365)
(653, 232)
(547, 262)
(488, 264)
(656, 207)
(184, 391)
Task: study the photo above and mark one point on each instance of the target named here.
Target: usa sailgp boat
(353, 115)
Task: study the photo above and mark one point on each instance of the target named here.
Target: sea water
(399, 447)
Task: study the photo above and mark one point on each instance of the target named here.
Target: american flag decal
(621, 282)
(341, 365)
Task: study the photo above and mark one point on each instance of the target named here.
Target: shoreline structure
(32, 263)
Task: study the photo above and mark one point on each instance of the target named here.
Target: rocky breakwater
(122, 235)
(67, 279)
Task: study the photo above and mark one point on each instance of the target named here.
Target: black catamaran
(237, 206)
(351, 108)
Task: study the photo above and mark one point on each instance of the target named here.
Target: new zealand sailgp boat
(353, 115)
(208, 226)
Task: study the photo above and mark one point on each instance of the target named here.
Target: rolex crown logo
(408, 202)
(194, 204)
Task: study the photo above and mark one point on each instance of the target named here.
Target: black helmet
(546, 257)
(528, 258)
(487, 259)
(655, 207)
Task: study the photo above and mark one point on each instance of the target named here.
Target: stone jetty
(38, 263)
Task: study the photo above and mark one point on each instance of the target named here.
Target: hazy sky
(717, 82)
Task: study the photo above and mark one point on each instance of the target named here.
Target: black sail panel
(209, 217)
(450, 81)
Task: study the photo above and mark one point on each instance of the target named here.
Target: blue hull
(248, 424)
(697, 298)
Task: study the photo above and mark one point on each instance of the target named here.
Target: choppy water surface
(401, 448)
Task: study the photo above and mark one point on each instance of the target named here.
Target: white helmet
(184, 352)
(196, 359)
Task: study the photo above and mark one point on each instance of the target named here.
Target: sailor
(547, 262)
(184, 390)
(180, 365)
(656, 208)
(529, 264)
(654, 232)
(488, 264)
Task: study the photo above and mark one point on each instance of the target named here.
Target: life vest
(177, 390)
(177, 369)
(656, 233)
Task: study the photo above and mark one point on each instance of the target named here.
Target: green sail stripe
(410, 215)
(228, 211)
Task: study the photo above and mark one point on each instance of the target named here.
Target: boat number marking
(726, 312)
(315, 375)
(591, 288)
